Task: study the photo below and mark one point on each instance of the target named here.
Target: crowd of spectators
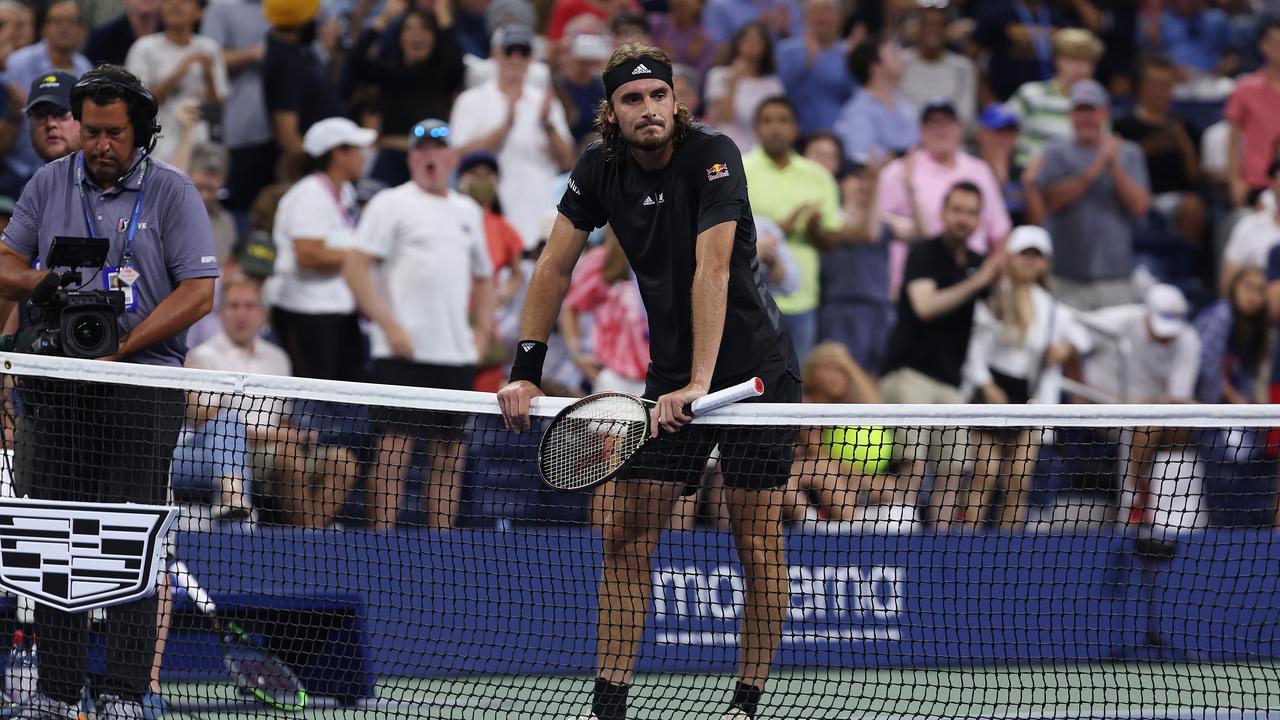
(1000, 201)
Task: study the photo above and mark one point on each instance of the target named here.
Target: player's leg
(757, 465)
(641, 511)
(755, 518)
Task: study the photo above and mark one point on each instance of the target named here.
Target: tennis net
(394, 551)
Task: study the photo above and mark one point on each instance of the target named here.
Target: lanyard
(126, 258)
(347, 216)
(1039, 28)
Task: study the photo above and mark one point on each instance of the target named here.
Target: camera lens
(88, 331)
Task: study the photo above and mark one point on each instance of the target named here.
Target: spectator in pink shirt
(1254, 121)
(912, 189)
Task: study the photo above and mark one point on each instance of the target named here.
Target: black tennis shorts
(752, 457)
(431, 424)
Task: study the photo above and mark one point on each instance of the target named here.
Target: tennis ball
(867, 447)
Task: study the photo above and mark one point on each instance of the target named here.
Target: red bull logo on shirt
(717, 171)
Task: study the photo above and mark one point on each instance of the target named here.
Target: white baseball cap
(335, 132)
(1030, 237)
(1167, 311)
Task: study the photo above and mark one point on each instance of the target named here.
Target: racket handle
(732, 394)
(195, 593)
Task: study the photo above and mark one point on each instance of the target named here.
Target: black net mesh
(404, 560)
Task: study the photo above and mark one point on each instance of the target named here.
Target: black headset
(141, 113)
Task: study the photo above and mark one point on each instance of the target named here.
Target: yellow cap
(290, 13)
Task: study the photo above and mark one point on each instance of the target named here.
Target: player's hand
(673, 409)
(515, 399)
(399, 340)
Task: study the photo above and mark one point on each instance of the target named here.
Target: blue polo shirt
(173, 242)
(819, 90)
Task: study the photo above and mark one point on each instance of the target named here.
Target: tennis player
(676, 196)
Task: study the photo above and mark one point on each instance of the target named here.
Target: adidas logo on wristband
(526, 346)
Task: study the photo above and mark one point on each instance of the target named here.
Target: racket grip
(732, 394)
(195, 593)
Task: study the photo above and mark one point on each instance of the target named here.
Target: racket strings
(592, 440)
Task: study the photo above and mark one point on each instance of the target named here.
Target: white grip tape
(728, 396)
(195, 593)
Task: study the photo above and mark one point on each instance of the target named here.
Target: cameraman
(109, 443)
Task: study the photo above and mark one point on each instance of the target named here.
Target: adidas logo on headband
(633, 69)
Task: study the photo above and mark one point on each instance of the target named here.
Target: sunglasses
(44, 111)
(422, 132)
(521, 50)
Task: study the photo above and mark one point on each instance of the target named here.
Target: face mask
(483, 190)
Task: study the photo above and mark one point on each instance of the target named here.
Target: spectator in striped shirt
(618, 355)
(1044, 106)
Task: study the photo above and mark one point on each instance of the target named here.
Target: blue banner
(460, 602)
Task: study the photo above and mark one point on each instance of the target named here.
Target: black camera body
(69, 321)
(75, 323)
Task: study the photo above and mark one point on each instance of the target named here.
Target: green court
(1103, 690)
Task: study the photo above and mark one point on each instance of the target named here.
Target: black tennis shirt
(657, 217)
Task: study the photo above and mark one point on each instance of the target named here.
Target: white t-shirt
(528, 170)
(220, 353)
(1154, 369)
(153, 58)
(989, 349)
(432, 249)
(1252, 238)
(747, 96)
(310, 210)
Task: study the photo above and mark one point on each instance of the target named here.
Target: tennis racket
(257, 672)
(592, 440)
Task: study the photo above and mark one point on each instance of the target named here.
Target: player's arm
(710, 294)
(550, 280)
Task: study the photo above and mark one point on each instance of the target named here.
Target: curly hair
(615, 147)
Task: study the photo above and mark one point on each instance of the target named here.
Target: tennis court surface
(394, 553)
(1099, 691)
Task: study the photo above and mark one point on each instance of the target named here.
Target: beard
(105, 168)
(650, 142)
